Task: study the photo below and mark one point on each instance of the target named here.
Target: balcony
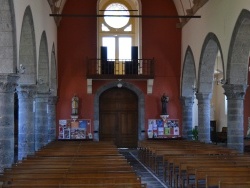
(120, 69)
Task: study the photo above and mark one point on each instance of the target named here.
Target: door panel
(128, 129)
(119, 117)
(108, 131)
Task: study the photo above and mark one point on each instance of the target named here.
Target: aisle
(146, 175)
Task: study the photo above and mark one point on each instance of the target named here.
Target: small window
(119, 20)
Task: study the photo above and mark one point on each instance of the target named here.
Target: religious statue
(164, 101)
(75, 105)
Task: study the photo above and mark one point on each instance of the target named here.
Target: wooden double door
(118, 112)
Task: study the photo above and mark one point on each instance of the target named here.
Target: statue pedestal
(164, 119)
(74, 117)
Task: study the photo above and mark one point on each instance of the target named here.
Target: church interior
(110, 83)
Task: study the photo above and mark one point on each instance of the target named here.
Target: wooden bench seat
(106, 185)
(181, 159)
(202, 173)
(31, 176)
(214, 180)
(229, 184)
(82, 163)
(186, 169)
(178, 166)
(179, 162)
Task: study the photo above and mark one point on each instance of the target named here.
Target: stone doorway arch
(141, 108)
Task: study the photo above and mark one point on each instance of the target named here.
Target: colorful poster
(167, 131)
(79, 129)
(163, 129)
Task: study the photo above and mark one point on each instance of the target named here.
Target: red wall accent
(77, 40)
(247, 105)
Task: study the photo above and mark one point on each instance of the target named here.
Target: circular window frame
(111, 21)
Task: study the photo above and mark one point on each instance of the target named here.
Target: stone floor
(147, 176)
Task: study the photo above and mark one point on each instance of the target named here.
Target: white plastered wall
(42, 22)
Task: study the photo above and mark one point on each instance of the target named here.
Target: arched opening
(140, 104)
(206, 76)
(118, 111)
(187, 93)
(237, 82)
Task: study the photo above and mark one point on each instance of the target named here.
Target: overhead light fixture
(119, 85)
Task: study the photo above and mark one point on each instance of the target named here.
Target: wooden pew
(214, 180)
(108, 185)
(229, 184)
(187, 168)
(202, 173)
(150, 154)
(73, 164)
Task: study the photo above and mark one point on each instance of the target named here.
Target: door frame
(141, 108)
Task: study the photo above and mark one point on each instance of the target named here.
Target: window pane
(116, 9)
(110, 43)
(125, 44)
(129, 28)
(104, 28)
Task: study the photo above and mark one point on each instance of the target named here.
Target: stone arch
(141, 104)
(210, 49)
(209, 52)
(27, 50)
(237, 80)
(238, 56)
(187, 93)
(188, 74)
(43, 65)
(8, 39)
(8, 82)
(53, 72)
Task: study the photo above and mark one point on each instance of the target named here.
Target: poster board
(157, 128)
(79, 129)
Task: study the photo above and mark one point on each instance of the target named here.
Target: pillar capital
(187, 101)
(26, 91)
(203, 96)
(235, 91)
(8, 83)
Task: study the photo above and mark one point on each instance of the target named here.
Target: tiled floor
(147, 176)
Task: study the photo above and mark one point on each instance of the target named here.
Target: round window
(116, 18)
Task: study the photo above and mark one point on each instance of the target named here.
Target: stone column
(187, 114)
(41, 121)
(52, 100)
(235, 115)
(26, 142)
(8, 82)
(204, 116)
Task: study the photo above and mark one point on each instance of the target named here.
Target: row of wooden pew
(73, 164)
(196, 164)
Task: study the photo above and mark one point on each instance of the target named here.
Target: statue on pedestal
(75, 105)
(164, 101)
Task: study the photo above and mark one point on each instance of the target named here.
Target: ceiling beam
(131, 16)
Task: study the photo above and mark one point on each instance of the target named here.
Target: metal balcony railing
(120, 68)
